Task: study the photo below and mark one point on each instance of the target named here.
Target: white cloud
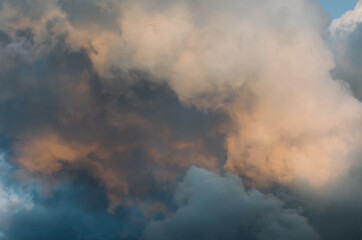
(348, 21)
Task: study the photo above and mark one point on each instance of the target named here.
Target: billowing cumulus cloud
(131, 94)
(346, 41)
(217, 207)
(122, 140)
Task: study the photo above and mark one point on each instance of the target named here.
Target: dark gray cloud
(73, 211)
(335, 212)
(219, 207)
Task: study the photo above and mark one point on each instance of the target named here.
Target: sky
(337, 8)
(180, 119)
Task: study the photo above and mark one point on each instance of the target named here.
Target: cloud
(284, 112)
(135, 93)
(273, 81)
(219, 207)
(346, 42)
(13, 198)
(59, 117)
(73, 211)
(348, 21)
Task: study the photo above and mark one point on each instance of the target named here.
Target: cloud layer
(121, 98)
